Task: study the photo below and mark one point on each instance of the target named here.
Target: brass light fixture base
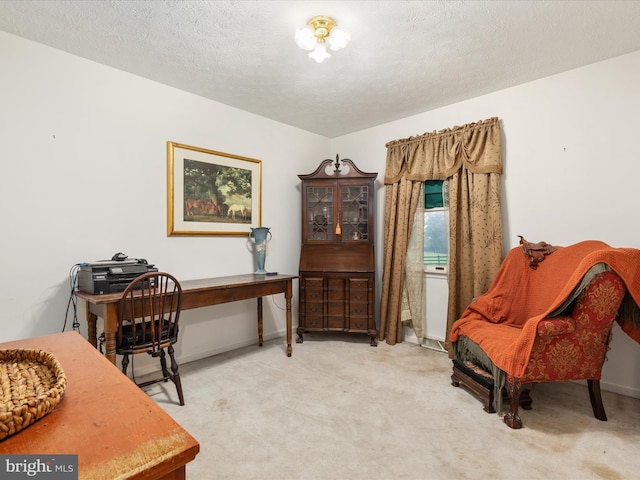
(322, 26)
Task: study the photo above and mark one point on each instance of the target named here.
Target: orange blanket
(520, 297)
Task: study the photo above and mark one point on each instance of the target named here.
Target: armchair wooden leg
(596, 400)
(525, 399)
(511, 418)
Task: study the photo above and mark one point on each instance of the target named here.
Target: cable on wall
(72, 304)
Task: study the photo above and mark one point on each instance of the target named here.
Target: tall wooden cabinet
(337, 261)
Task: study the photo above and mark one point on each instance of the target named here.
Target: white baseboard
(409, 335)
(621, 389)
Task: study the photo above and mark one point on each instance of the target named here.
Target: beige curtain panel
(470, 156)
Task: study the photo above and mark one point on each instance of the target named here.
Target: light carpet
(340, 409)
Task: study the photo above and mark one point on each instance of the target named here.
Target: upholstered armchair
(547, 324)
(573, 346)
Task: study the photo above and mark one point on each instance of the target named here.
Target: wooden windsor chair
(148, 316)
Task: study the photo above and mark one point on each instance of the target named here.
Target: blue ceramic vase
(260, 236)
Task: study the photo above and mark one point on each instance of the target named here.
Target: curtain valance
(438, 155)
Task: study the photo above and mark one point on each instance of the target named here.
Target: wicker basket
(32, 384)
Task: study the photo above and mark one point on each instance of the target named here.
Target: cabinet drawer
(313, 282)
(358, 309)
(358, 324)
(313, 308)
(313, 322)
(358, 295)
(358, 283)
(336, 322)
(313, 295)
(334, 294)
(335, 308)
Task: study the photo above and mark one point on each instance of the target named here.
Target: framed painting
(212, 193)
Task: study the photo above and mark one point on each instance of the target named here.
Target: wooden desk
(116, 430)
(195, 294)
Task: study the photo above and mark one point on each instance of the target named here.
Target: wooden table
(195, 294)
(116, 430)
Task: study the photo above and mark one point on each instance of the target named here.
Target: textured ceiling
(404, 58)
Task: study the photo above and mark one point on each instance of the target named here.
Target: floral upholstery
(574, 347)
(550, 327)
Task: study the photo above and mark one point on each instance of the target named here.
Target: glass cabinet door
(319, 213)
(355, 213)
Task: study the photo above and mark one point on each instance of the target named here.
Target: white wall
(83, 155)
(571, 166)
(84, 151)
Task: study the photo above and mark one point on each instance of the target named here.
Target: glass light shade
(338, 38)
(320, 53)
(305, 38)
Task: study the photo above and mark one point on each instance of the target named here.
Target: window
(436, 223)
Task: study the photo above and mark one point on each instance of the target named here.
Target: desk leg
(260, 321)
(287, 297)
(110, 347)
(110, 328)
(92, 320)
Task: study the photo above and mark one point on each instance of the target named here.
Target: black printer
(111, 276)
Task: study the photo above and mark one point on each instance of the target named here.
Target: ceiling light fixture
(319, 31)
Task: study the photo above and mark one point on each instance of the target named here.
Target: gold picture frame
(212, 193)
